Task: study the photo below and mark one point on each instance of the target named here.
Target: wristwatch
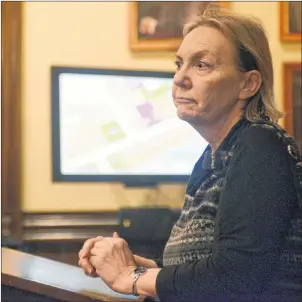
(139, 271)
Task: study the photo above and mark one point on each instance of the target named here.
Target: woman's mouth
(184, 101)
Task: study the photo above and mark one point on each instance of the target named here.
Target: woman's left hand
(114, 263)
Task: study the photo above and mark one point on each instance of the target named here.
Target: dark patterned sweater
(239, 234)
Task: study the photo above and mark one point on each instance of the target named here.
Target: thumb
(115, 235)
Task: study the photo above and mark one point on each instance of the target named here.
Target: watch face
(140, 270)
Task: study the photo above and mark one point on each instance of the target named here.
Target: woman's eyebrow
(201, 53)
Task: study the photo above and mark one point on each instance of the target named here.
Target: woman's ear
(252, 84)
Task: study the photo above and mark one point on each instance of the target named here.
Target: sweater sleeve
(254, 211)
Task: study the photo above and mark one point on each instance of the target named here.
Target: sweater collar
(223, 153)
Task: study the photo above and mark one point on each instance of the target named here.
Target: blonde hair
(249, 37)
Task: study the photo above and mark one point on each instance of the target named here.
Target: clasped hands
(111, 259)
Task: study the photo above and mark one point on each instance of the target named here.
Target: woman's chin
(186, 115)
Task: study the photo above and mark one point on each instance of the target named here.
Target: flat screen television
(119, 126)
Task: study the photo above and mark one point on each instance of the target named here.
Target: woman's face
(207, 82)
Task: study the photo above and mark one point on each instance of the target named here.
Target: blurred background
(52, 218)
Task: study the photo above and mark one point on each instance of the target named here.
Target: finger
(97, 251)
(87, 267)
(115, 235)
(106, 242)
(85, 264)
(97, 261)
(88, 244)
(92, 275)
(84, 252)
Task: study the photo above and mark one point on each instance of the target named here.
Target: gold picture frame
(292, 100)
(290, 21)
(142, 19)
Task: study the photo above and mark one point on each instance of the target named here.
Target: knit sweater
(239, 234)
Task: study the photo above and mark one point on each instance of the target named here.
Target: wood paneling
(11, 121)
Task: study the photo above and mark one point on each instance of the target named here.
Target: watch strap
(137, 273)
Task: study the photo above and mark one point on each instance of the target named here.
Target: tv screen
(121, 126)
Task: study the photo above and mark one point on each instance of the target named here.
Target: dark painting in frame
(158, 25)
(290, 21)
(292, 100)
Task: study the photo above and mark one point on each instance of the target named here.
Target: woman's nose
(182, 79)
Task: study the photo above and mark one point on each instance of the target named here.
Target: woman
(237, 238)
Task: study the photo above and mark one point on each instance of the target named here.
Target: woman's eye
(178, 64)
(202, 65)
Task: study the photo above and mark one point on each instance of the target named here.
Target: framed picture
(290, 21)
(158, 25)
(292, 100)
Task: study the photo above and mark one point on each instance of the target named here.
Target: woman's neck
(215, 133)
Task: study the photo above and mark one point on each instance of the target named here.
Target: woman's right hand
(90, 270)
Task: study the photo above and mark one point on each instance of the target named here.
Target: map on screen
(127, 125)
